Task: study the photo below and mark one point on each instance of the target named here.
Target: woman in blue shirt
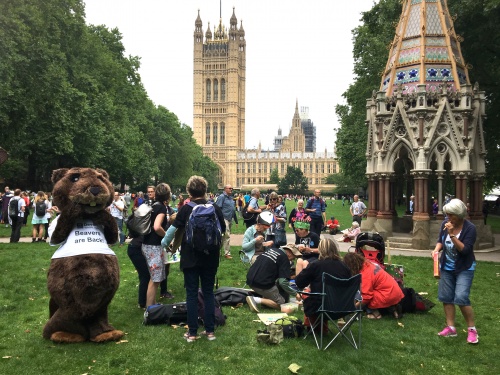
(457, 263)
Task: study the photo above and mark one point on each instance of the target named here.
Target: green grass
(387, 348)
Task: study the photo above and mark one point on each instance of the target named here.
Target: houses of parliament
(219, 117)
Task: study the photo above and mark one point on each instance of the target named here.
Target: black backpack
(220, 318)
(245, 214)
(203, 230)
(40, 208)
(165, 314)
(14, 207)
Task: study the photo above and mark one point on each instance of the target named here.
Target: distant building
(309, 129)
(219, 80)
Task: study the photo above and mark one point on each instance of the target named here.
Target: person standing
(116, 209)
(357, 210)
(226, 203)
(316, 209)
(457, 264)
(16, 215)
(5, 206)
(254, 208)
(39, 219)
(151, 245)
(197, 265)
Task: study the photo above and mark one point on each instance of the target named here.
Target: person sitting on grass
(307, 242)
(329, 261)
(254, 243)
(332, 226)
(380, 292)
(351, 233)
(269, 276)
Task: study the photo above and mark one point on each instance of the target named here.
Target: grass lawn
(388, 347)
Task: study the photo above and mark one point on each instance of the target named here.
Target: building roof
(425, 50)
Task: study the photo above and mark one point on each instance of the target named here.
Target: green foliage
(370, 56)
(274, 177)
(70, 97)
(294, 182)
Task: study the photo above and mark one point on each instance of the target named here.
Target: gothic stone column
(421, 230)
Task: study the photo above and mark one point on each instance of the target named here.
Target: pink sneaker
(472, 336)
(448, 332)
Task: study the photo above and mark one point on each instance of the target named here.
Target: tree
(274, 177)
(370, 56)
(294, 182)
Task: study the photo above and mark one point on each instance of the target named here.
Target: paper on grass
(271, 318)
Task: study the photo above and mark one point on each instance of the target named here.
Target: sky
(296, 50)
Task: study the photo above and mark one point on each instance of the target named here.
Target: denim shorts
(455, 288)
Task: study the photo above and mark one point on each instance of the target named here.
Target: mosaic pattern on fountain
(431, 1)
(438, 74)
(436, 54)
(433, 41)
(410, 43)
(413, 26)
(415, 2)
(386, 81)
(462, 78)
(433, 23)
(407, 75)
(409, 56)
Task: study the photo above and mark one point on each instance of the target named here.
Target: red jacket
(378, 288)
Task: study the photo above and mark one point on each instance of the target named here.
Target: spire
(198, 23)
(425, 50)
(208, 34)
(241, 31)
(233, 21)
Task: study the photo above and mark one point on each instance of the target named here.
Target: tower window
(215, 133)
(222, 133)
(222, 90)
(207, 133)
(209, 90)
(216, 90)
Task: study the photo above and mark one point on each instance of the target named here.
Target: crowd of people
(273, 262)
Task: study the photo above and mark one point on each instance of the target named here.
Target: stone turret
(425, 126)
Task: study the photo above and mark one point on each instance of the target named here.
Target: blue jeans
(192, 278)
(119, 222)
(455, 289)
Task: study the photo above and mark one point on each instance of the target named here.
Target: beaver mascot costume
(84, 274)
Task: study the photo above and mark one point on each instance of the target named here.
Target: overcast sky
(296, 49)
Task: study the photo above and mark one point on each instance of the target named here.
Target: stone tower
(219, 93)
(425, 127)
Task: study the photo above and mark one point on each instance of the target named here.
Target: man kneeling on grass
(269, 276)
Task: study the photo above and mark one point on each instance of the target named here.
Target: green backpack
(292, 327)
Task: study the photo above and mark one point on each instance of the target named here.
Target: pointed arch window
(222, 133)
(207, 133)
(215, 133)
(209, 91)
(216, 90)
(222, 90)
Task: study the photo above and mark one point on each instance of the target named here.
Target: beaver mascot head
(84, 274)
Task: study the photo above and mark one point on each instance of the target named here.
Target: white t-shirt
(85, 238)
(115, 212)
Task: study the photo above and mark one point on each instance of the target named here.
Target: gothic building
(425, 127)
(219, 116)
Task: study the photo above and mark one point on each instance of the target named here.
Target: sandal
(375, 316)
(190, 338)
(210, 335)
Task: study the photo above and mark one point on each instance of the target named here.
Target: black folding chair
(338, 300)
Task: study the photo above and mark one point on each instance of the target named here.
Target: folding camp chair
(338, 300)
(246, 262)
